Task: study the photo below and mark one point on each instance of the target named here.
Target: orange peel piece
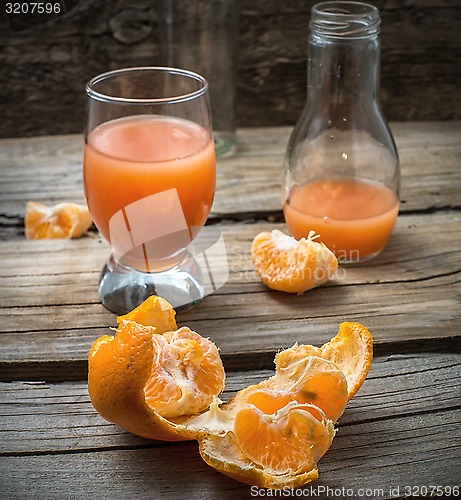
(351, 350)
(141, 380)
(154, 311)
(289, 265)
(271, 450)
(64, 220)
(223, 454)
(326, 376)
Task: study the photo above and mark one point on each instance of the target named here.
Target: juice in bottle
(354, 218)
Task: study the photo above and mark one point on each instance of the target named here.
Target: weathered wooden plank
(412, 295)
(409, 450)
(273, 72)
(248, 183)
(176, 471)
(421, 246)
(396, 385)
(72, 422)
(46, 68)
(408, 405)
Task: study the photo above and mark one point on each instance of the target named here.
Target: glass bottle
(342, 173)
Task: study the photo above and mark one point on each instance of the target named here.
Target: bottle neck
(343, 55)
(343, 73)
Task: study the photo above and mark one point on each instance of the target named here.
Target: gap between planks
(58, 371)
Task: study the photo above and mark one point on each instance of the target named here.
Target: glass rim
(101, 96)
(321, 8)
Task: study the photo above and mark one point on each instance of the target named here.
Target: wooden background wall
(43, 70)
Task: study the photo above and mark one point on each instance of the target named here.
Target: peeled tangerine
(290, 265)
(64, 220)
(161, 382)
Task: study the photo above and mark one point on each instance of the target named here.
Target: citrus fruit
(309, 379)
(223, 454)
(306, 379)
(163, 382)
(186, 375)
(292, 439)
(64, 220)
(291, 265)
(143, 380)
(270, 449)
(274, 441)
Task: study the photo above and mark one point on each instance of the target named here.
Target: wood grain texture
(403, 427)
(412, 293)
(404, 402)
(49, 170)
(45, 68)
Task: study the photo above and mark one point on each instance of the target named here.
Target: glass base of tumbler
(122, 288)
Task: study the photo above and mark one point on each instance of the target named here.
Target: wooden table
(401, 431)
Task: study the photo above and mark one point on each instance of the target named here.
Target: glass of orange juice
(149, 177)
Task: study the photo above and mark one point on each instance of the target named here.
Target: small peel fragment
(154, 311)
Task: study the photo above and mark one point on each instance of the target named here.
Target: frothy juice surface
(354, 218)
(128, 159)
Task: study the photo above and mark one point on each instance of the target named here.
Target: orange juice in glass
(149, 177)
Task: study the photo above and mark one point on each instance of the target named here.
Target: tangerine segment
(289, 265)
(187, 374)
(121, 366)
(269, 401)
(352, 351)
(154, 311)
(223, 454)
(307, 379)
(315, 380)
(289, 441)
(64, 220)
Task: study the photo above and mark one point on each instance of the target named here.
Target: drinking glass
(149, 176)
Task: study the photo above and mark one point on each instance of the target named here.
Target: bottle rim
(345, 20)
